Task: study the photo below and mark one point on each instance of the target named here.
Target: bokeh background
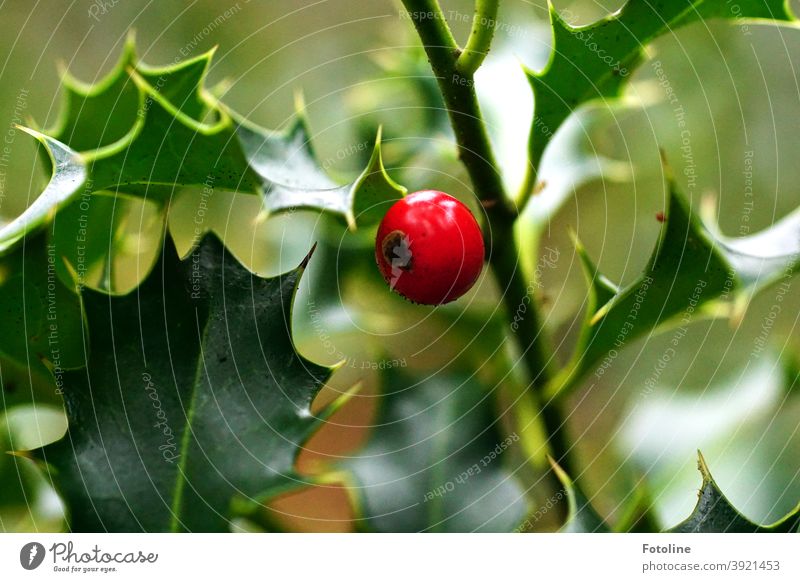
(358, 66)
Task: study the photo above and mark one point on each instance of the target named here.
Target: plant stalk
(480, 38)
(475, 152)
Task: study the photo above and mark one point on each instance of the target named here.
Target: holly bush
(170, 294)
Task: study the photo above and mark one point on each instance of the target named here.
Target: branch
(480, 38)
(475, 151)
(528, 187)
(458, 92)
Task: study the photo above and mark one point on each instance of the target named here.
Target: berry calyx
(429, 248)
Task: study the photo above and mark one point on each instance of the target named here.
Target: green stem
(532, 338)
(480, 38)
(458, 92)
(476, 153)
(528, 185)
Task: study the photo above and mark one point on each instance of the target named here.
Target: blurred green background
(358, 66)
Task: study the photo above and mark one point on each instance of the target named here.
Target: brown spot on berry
(396, 250)
(660, 216)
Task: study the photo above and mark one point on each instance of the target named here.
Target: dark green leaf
(181, 135)
(694, 271)
(290, 176)
(715, 514)
(41, 316)
(712, 514)
(595, 61)
(194, 399)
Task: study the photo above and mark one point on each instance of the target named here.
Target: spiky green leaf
(715, 514)
(41, 316)
(194, 399)
(178, 135)
(182, 136)
(712, 514)
(694, 271)
(594, 62)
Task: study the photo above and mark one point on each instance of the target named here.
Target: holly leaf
(168, 143)
(182, 136)
(712, 514)
(179, 135)
(95, 116)
(41, 316)
(194, 401)
(595, 61)
(715, 514)
(581, 516)
(94, 239)
(291, 178)
(694, 272)
(434, 461)
(69, 173)
(92, 229)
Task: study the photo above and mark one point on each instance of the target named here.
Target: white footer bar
(389, 557)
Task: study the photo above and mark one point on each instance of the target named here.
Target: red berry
(429, 248)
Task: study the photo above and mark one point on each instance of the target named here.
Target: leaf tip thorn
(307, 258)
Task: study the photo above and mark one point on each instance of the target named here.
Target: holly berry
(429, 248)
